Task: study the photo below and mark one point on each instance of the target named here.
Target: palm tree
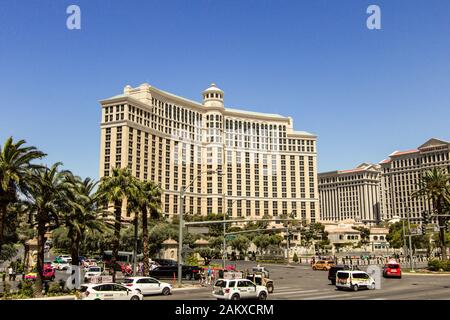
(82, 214)
(150, 202)
(46, 200)
(115, 189)
(434, 186)
(15, 161)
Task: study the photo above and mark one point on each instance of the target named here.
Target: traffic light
(424, 228)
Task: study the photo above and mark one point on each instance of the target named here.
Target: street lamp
(181, 220)
(224, 253)
(290, 216)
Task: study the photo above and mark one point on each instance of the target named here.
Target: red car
(392, 270)
(49, 274)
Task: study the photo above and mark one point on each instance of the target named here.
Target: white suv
(148, 285)
(237, 289)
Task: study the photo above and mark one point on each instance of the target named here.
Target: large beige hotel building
(352, 194)
(267, 168)
(401, 173)
(370, 193)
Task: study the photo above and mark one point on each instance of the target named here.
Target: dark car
(334, 269)
(165, 262)
(171, 271)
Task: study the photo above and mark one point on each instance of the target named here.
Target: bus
(123, 258)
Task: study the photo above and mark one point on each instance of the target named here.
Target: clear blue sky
(364, 93)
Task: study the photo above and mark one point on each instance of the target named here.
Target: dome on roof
(213, 88)
(213, 96)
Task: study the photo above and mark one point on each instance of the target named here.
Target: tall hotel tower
(267, 168)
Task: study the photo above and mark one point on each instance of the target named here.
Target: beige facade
(401, 173)
(267, 167)
(350, 194)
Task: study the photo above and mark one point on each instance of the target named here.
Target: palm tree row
(142, 197)
(434, 186)
(51, 198)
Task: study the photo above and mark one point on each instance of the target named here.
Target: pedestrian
(209, 273)
(10, 273)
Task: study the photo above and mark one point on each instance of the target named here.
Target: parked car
(323, 265)
(92, 272)
(334, 269)
(148, 285)
(48, 274)
(108, 291)
(169, 271)
(392, 270)
(354, 280)
(165, 262)
(238, 289)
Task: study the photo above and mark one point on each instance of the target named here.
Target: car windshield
(220, 283)
(128, 280)
(94, 269)
(393, 266)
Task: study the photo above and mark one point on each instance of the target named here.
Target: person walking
(10, 273)
(209, 275)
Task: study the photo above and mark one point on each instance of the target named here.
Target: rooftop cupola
(213, 96)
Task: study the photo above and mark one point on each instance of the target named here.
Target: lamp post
(181, 221)
(224, 253)
(290, 216)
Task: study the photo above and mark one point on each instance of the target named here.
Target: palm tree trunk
(74, 249)
(116, 240)
(441, 223)
(2, 224)
(145, 241)
(40, 259)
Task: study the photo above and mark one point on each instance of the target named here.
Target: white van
(354, 280)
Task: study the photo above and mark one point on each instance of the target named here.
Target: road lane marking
(294, 292)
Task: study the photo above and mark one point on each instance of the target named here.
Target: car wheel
(166, 291)
(270, 288)
(262, 296)
(235, 297)
(355, 287)
(135, 298)
(372, 286)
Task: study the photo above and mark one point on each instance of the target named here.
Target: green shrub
(55, 288)
(439, 265)
(295, 258)
(26, 289)
(192, 260)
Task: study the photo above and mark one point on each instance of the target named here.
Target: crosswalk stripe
(295, 292)
(338, 296)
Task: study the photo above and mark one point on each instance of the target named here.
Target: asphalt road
(302, 283)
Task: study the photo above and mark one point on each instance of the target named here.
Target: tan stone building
(350, 194)
(267, 167)
(401, 173)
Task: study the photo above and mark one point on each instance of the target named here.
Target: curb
(425, 274)
(53, 298)
(188, 288)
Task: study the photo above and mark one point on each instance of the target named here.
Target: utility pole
(411, 265)
(224, 253)
(181, 221)
(180, 234)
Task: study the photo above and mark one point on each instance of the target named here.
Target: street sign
(198, 230)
